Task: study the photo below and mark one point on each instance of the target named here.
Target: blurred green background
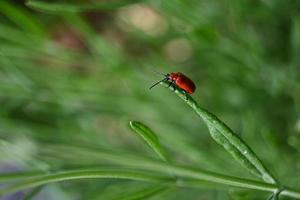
(77, 78)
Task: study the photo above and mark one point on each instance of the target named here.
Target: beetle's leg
(170, 83)
(186, 95)
(174, 85)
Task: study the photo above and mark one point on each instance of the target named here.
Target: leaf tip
(133, 124)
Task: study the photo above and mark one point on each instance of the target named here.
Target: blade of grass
(224, 136)
(149, 137)
(57, 7)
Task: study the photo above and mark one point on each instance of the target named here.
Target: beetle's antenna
(157, 83)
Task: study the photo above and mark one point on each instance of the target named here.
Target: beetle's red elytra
(180, 80)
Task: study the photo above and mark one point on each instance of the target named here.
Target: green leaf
(77, 7)
(149, 137)
(224, 136)
(220, 139)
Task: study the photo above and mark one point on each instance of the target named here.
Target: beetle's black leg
(174, 85)
(186, 95)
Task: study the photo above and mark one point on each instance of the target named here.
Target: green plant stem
(19, 175)
(158, 166)
(83, 174)
(144, 163)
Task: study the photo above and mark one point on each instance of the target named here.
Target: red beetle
(180, 80)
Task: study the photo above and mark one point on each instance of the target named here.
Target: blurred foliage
(78, 78)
